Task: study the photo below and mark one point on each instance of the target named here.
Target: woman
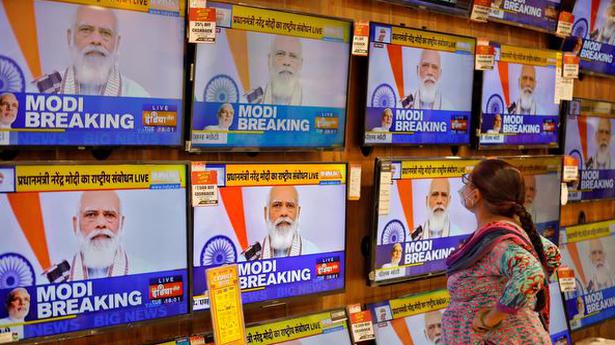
(497, 279)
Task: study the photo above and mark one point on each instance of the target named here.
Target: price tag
(201, 23)
(571, 66)
(563, 196)
(197, 340)
(354, 182)
(226, 309)
(571, 169)
(485, 56)
(384, 198)
(204, 188)
(567, 283)
(564, 24)
(362, 326)
(360, 39)
(480, 10)
(6, 337)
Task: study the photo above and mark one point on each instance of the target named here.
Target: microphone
(253, 252)
(49, 83)
(408, 101)
(512, 109)
(417, 233)
(58, 273)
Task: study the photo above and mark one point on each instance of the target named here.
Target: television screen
(536, 14)
(316, 329)
(419, 217)
(456, 7)
(517, 107)
(271, 80)
(411, 320)
(558, 326)
(542, 177)
(79, 75)
(284, 224)
(590, 139)
(593, 36)
(419, 88)
(589, 249)
(89, 246)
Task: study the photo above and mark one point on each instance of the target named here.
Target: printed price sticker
(201, 24)
(204, 188)
(226, 309)
(564, 24)
(480, 10)
(571, 169)
(362, 326)
(360, 39)
(485, 56)
(384, 199)
(354, 188)
(571, 66)
(566, 279)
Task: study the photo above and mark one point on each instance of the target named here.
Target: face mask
(463, 196)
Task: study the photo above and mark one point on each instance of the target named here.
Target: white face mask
(463, 195)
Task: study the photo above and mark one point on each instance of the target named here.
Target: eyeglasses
(465, 179)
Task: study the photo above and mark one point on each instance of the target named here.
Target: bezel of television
(63, 86)
(540, 15)
(460, 8)
(52, 278)
(422, 104)
(558, 326)
(404, 244)
(588, 250)
(517, 100)
(590, 39)
(590, 139)
(309, 198)
(273, 80)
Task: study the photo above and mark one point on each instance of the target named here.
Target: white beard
(527, 99)
(437, 220)
(395, 262)
(428, 92)
(98, 253)
(92, 70)
(282, 85)
(602, 155)
(436, 341)
(603, 277)
(609, 28)
(281, 237)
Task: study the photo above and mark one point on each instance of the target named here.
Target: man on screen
(497, 125)
(602, 157)
(94, 42)
(601, 275)
(8, 114)
(98, 226)
(385, 122)
(396, 253)
(529, 182)
(428, 95)
(17, 306)
(225, 116)
(285, 62)
(282, 216)
(433, 327)
(526, 103)
(606, 33)
(437, 201)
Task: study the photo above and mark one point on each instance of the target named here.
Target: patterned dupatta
(482, 241)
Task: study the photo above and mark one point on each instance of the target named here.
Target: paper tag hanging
(360, 39)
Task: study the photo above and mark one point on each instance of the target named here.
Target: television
(328, 327)
(541, 15)
(590, 139)
(283, 224)
(90, 246)
(588, 250)
(591, 39)
(542, 179)
(79, 75)
(410, 320)
(558, 326)
(273, 80)
(419, 88)
(517, 100)
(418, 217)
(454, 7)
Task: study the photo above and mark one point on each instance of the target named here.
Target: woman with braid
(497, 278)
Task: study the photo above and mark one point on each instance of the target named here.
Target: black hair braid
(528, 225)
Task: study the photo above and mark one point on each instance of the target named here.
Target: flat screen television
(592, 37)
(588, 250)
(328, 327)
(539, 15)
(419, 88)
(590, 139)
(79, 75)
(90, 246)
(517, 100)
(558, 326)
(454, 7)
(272, 80)
(284, 224)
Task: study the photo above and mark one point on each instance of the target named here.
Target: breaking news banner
(272, 79)
(590, 139)
(419, 87)
(284, 224)
(593, 37)
(518, 106)
(76, 72)
(589, 250)
(541, 14)
(89, 246)
(316, 329)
